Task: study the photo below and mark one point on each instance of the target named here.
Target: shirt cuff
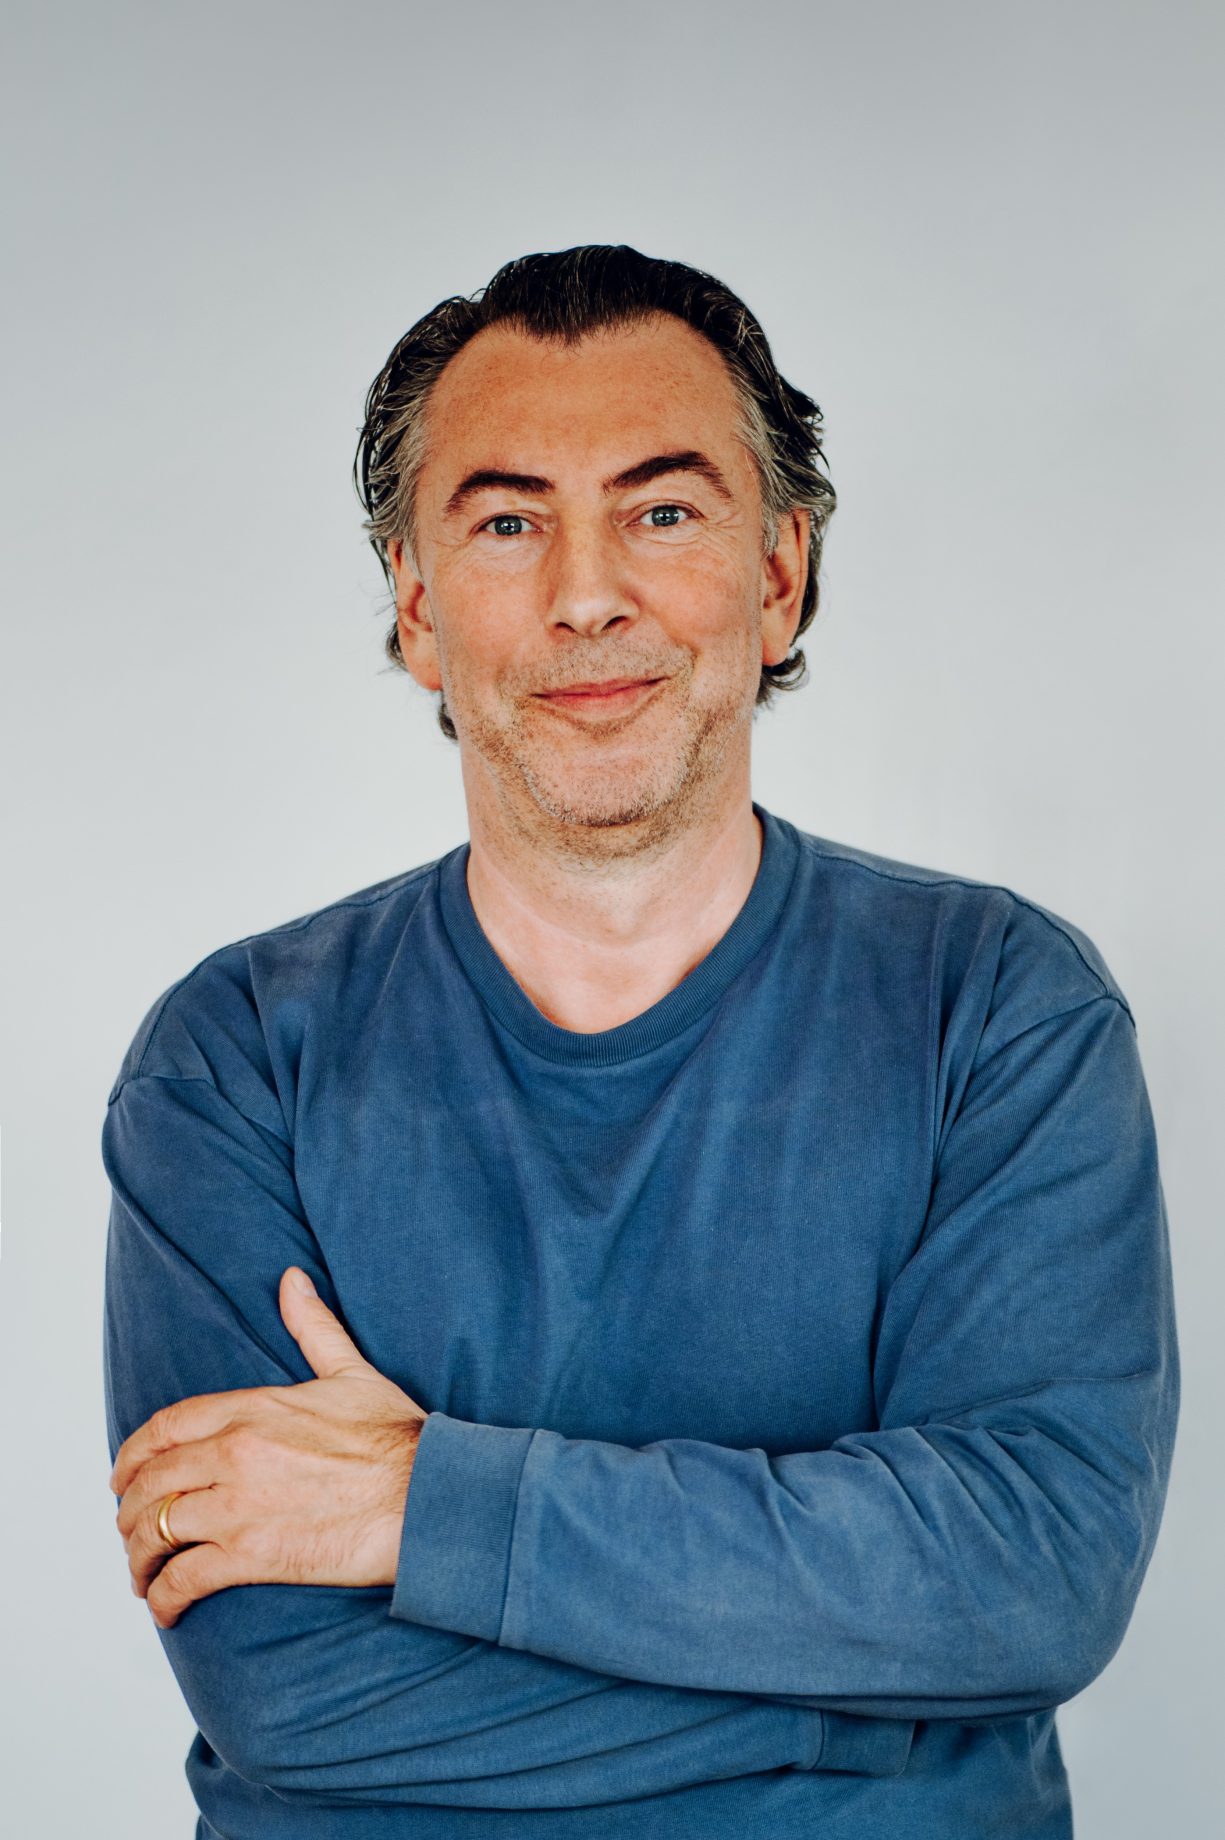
(864, 1746)
(455, 1544)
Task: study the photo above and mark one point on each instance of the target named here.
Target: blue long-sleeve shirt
(800, 1360)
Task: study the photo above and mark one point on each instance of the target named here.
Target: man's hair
(564, 295)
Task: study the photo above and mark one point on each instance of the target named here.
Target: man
(738, 1389)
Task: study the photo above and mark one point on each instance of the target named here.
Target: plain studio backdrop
(985, 238)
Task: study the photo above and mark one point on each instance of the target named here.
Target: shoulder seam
(199, 1079)
(1057, 1015)
(959, 881)
(168, 1079)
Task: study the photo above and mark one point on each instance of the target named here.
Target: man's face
(561, 544)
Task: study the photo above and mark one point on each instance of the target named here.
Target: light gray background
(986, 238)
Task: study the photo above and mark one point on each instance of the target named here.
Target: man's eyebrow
(682, 460)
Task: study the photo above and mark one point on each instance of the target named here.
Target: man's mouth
(609, 692)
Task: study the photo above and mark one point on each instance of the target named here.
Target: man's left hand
(297, 1484)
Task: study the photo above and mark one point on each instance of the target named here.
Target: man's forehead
(647, 376)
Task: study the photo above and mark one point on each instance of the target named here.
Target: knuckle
(132, 1518)
(243, 1446)
(151, 1485)
(248, 1542)
(169, 1590)
(164, 1423)
(240, 1542)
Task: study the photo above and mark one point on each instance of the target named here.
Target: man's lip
(605, 687)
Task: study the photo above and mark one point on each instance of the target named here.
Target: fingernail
(301, 1282)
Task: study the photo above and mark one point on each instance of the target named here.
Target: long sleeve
(318, 1692)
(975, 1555)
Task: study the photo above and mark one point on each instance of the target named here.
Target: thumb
(320, 1335)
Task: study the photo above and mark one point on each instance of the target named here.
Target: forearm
(977, 1553)
(317, 1694)
(945, 1571)
(317, 1691)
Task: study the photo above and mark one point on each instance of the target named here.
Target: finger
(180, 1423)
(319, 1333)
(194, 1516)
(186, 1466)
(190, 1575)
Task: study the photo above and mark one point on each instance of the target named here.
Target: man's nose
(588, 587)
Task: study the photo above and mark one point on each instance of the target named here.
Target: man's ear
(414, 620)
(784, 577)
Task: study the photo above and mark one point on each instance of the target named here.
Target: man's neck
(595, 945)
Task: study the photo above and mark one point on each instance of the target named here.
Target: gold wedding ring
(163, 1523)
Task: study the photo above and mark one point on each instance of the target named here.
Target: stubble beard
(599, 812)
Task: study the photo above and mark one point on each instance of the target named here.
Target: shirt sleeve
(978, 1553)
(317, 1692)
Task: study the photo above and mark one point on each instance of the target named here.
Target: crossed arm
(299, 1484)
(609, 1621)
(314, 1690)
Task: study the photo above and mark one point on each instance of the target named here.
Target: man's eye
(501, 520)
(513, 523)
(666, 517)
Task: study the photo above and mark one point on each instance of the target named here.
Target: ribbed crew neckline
(692, 997)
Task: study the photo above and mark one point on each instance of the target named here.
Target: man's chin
(640, 788)
(603, 783)
(600, 798)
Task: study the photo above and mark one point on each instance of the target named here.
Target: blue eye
(513, 523)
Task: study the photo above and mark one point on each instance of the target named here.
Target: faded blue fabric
(800, 1359)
